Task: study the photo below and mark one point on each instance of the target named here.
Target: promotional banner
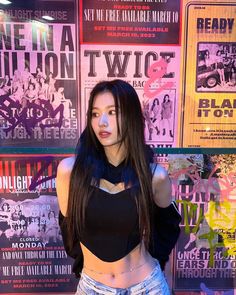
(132, 22)
(32, 254)
(38, 72)
(205, 189)
(209, 77)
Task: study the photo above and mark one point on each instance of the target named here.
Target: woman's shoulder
(63, 182)
(159, 173)
(161, 185)
(65, 166)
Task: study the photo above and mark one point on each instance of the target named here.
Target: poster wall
(38, 77)
(180, 58)
(209, 76)
(32, 255)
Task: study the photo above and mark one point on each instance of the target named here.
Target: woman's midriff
(123, 273)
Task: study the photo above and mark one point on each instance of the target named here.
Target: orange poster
(209, 75)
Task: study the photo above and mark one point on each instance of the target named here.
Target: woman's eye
(95, 115)
(112, 112)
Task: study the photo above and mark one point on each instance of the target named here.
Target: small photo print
(216, 67)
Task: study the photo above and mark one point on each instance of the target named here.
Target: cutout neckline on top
(111, 193)
(110, 187)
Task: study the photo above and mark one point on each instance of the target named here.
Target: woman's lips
(104, 134)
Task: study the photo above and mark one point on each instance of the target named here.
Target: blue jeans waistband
(154, 284)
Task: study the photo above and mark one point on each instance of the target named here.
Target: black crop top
(112, 228)
(111, 225)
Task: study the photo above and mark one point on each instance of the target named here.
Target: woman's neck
(115, 154)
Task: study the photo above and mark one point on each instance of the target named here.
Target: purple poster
(32, 255)
(38, 76)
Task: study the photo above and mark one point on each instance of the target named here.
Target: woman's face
(103, 121)
(166, 98)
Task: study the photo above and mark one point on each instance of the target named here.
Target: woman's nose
(103, 120)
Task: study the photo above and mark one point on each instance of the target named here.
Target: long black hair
(90, 158)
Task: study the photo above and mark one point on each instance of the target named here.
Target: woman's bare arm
(63, 181)
(161, 186)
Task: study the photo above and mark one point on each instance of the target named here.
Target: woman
(219, 65)
(166, 113)
(43, 89)
(59, 98)
(25, 78)
(156, 110)
(5, 217)
(31, 92)
(39, 74)
(51, 86)
(5, 85)
(116, 208)
(148, 120)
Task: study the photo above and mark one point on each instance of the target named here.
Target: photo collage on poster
(216, 67)
(38, 78)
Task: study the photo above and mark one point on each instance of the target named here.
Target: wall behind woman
(180, 58)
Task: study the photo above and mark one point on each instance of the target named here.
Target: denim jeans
(154, 284)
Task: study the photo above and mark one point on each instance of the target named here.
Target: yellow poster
(209, 75)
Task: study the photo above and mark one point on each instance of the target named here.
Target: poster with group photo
(38, 76)
(209, 76)
(152, 71)
(32, 255)
(130, 22)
